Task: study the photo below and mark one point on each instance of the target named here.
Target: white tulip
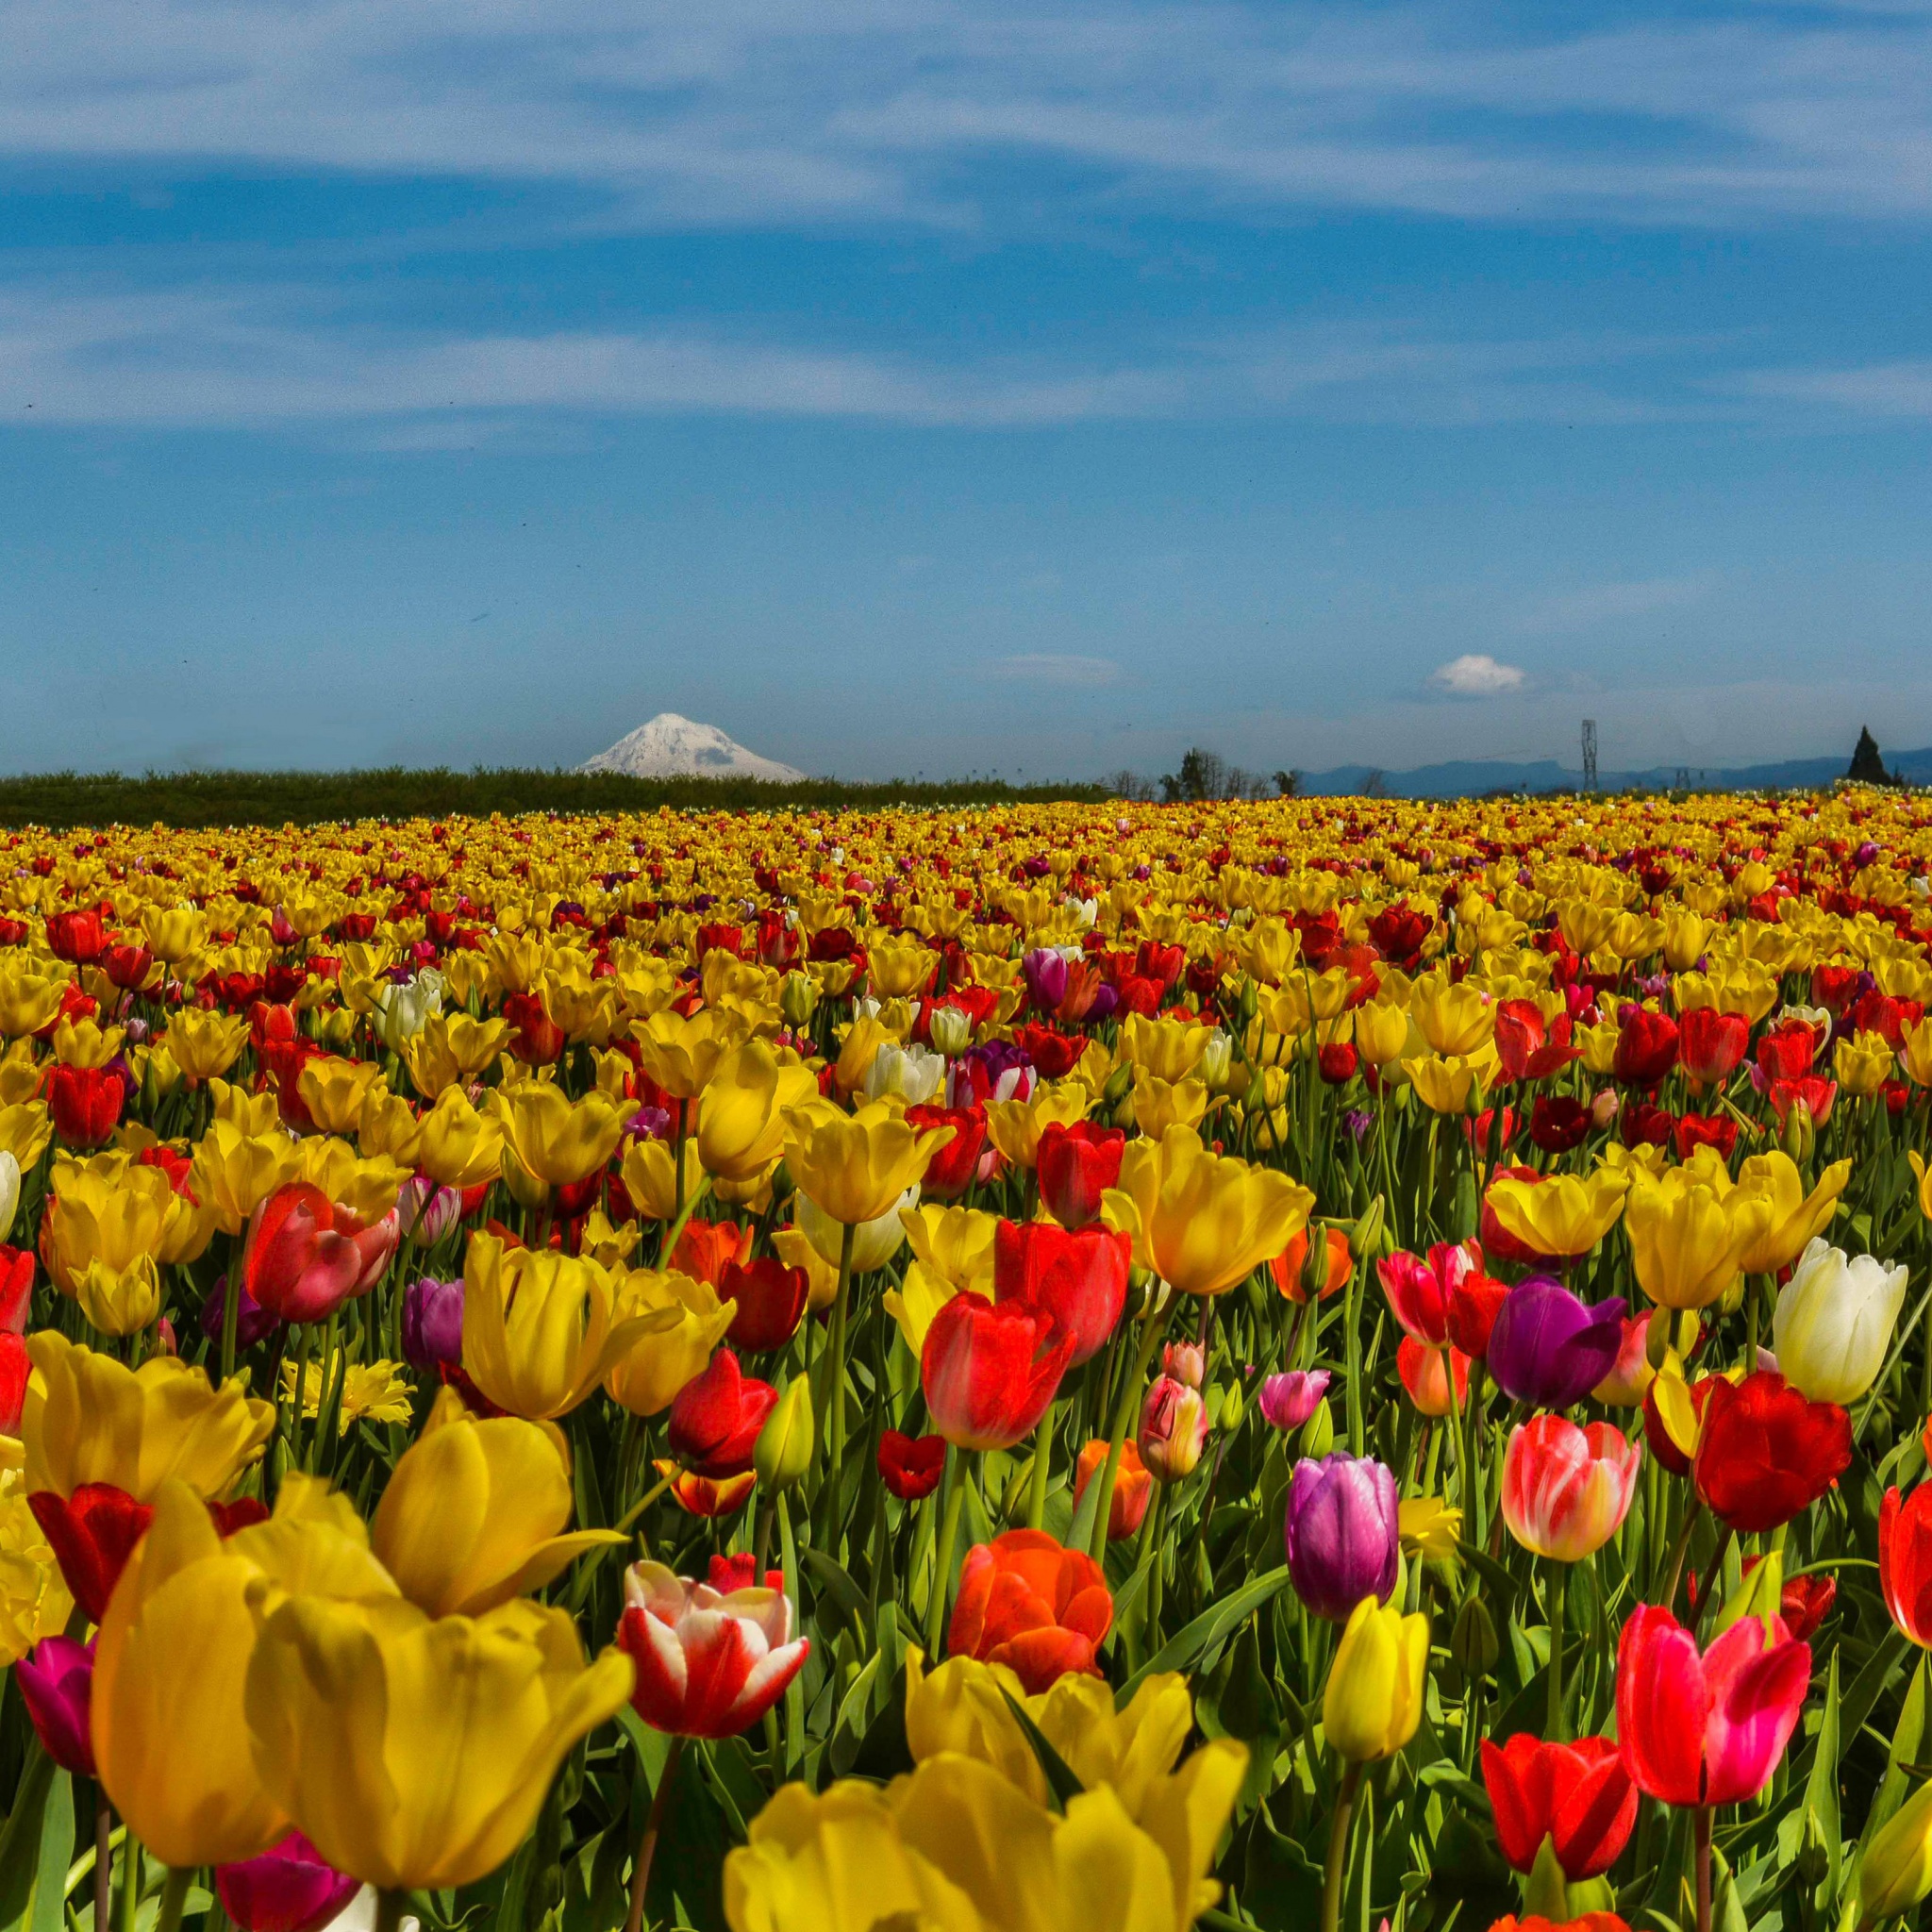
(915, 1073)
(1834, 1322)
(874, 1242)
(9, 1190)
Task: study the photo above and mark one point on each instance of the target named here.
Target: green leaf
(1904, 1749)
(1820, 1791)
(1186, 1647)
(21, 1836)
(838, 1581)
(1060, 1780)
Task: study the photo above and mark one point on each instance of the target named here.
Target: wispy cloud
(1591, 605)
(1050, 667)
(752, 109)
(1879, 390)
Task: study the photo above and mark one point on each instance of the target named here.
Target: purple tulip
(1105, 1001)
(1288, 1401)
(432, 1322)
(1047, 977)
(57, 1684)
(289, 1887)
(1550, 1348)
(1343, 1533)
(253, 1323)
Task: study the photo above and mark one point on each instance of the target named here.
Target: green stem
(835, 1379)
(1558, 1579)
(648, 1845)
(174, 1896)
(389, 1909)
(1153, 1325)
(942, 1566)
(1338, 1849)
(1042, 1451)
(1702, 1839)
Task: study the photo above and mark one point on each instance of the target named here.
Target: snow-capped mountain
(674, 748)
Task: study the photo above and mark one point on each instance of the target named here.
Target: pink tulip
(57, 1684)
(305, 1256)
(1567, 1490)
(289, 1887)
(1711, 1729)
(1420, 1290)
(708, 1665)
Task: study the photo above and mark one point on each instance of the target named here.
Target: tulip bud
(1367, 1238)
(1671, 1329)
(1800, 1137)
(1216, 1061)
(1120, 1085)
(798, 999)
(1603, 1109)
(1473, 1642)
(1247, 1003)
(1372, 1701)
(782, 1454)
(1318, 1433)
(1174, 1429)
(1185, 1362)
(950, 1029)
(1233, 1407)
(1897, 1870)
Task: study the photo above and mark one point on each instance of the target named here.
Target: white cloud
(1476, 674)
(1050, 667)
(1891, 391)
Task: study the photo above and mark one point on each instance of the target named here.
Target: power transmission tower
(1590, 754)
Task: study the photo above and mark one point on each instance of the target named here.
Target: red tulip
(911, 1466)
(1028, 1603)
(1646, 1046)
(1695, 1131)
(708, 1665)
(535, 1038)
(1904, 1561)
(715, 1418)
(1418, 1289)
(77, 937)
(771, 1300)
(16, 1370)
(305, 1256)
(1578, 1795)
(1519, 1032)
(956, 1163)
(1584, 1921)
(1133, 1488)
(1712, 1045)
(1337, 1063)
(289, 1887)
(1786, 1051)
(705, 1247)
(1642, 1125)
(127, 966)
(1558, 1121)
(989, 1370)
(1658, 1437)
(86, 1103)
(1765, 1454)
(1711, 1729)
(1079, 1276)
(16, 1287)
(1813, 1092)
(740, 1572)
(1474, 1304)
(92, 1533)
(1076, 1165)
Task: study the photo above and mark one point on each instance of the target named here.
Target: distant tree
(1202, 775)
(1287, 784)
(1868, 768)
(1375, 786)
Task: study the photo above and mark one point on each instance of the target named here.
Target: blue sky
(917, 387)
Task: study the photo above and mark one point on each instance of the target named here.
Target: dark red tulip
(771, 1300)
(77, 937)
(911, 1466)
(92, 1533)
(535, 1038)
(1337, 1063)
(1695, 1131)
(1558, 1121)
(86, 1103)
(1765, 1454)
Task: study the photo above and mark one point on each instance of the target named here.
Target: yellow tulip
(955, 1242)
(539, 1327)
(687, 1321)
(1381, 1032)
(474, 1513)
(896, 970)
(1863, 1064)
(174, 933)
(34, 1602)
(855, 1167)
(387, 1130)
(1689, 1231)
(1160, 1104)
(1373, 1699)
(235, 1171)
(367, 1189)
(81, 1044)
(1896, 1872)
(460, 1147)
(334, 1089)
(417, 1753)
(921, 1295)
(1168, 1048)
(1563, 1215)
(1457, 1020)
(450, 1049)
(1917, 1054)
(550, 1141)
(102, 1237)
(89, 1419)
(682, 1055)
(250, 1114)
(1796, 1216)
(1201, 1221)
(25, 1128)
(1014, 1126)
(874, 1242)
(650, 1178)
(28, 1000)
(1452, 1086)
(794, 1247)
(740, 1123)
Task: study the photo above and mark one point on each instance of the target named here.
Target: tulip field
(1082, 1367)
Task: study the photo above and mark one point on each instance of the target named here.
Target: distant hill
(1467, 777)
